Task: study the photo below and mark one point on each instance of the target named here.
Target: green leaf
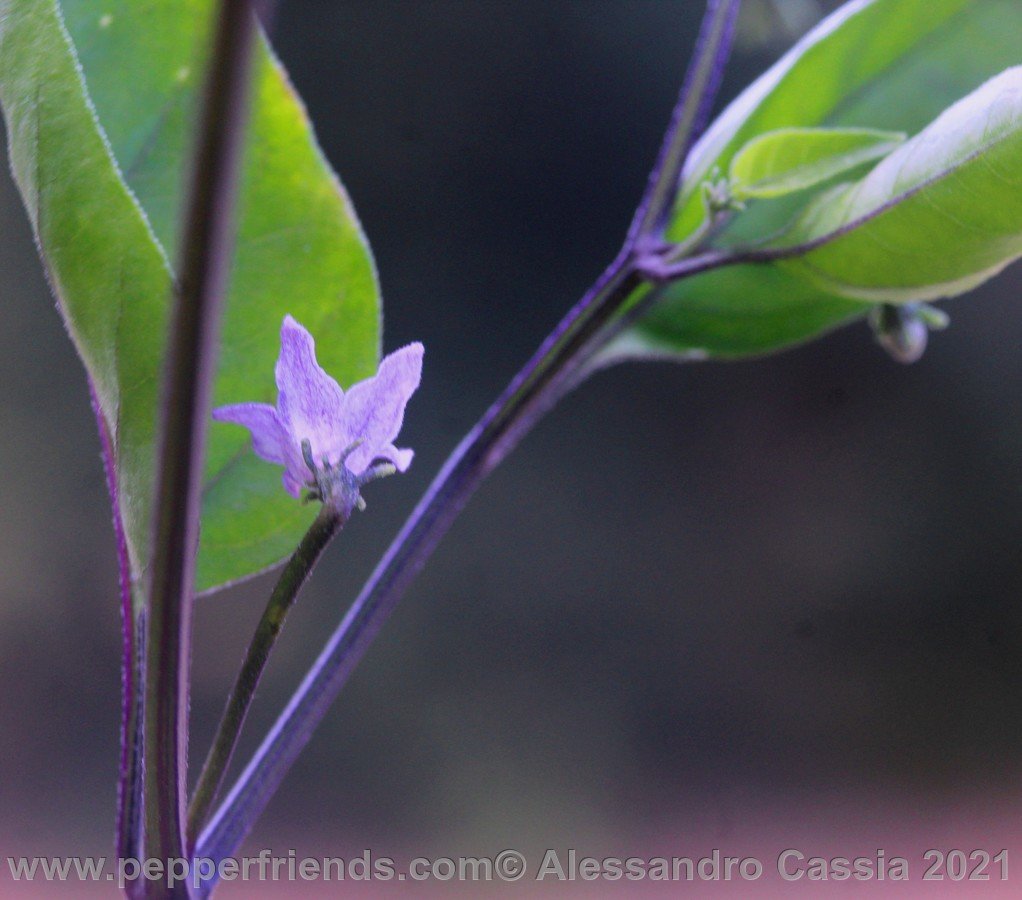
(793, 159)
(885, 64)
(732, 313)
(939, 216)
(98, 98)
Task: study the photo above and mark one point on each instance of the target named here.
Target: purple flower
(355, 428)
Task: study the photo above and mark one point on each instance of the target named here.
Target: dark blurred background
(747, 605)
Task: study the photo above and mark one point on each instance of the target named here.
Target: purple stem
(522, 404)
(128, 785)
(531, 393)
(702, 81)
(207, 241)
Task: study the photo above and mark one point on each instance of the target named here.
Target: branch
(529, 396)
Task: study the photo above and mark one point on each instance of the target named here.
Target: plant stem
(191, 355)
(530, 395)
(689, 117)
(129, 788)
(323, 529)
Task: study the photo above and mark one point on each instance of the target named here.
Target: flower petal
(269, 439)
(309, 401)
(374, 409)
(402, 458)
